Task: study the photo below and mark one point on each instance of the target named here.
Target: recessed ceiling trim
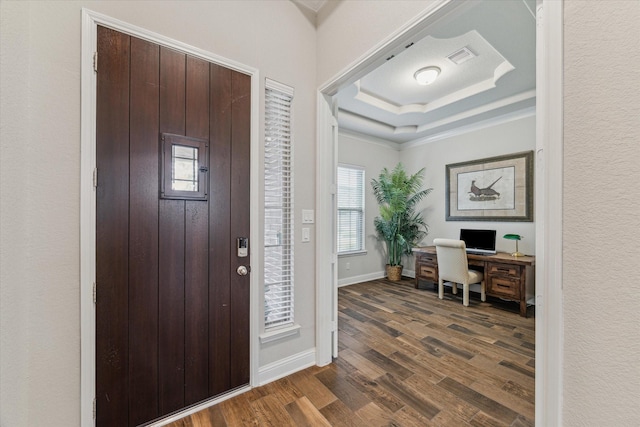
(349, 118)
(466, 92)
(371, 139)
(399, 130)
(494, 121)
(480, 110)
(502, 69)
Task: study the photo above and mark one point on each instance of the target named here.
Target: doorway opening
(548, 211)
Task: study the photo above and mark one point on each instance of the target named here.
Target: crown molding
(494, 121)
(397, 146)
(370, 139)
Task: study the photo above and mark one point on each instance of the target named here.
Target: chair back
(452, 260)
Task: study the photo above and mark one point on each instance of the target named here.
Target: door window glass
(185, 167)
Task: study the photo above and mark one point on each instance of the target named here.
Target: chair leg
(483, 291)
(440, 289)
(454, 288)
(465, 294)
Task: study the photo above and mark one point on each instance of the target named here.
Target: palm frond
(398, 225)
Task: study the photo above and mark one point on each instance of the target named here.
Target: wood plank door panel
(172, 238)
(112, 228)
(143, 231)
(172, 315)
(219, 256)
(197, 247)
(240, 155)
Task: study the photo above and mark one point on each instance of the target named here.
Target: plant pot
(394, 272)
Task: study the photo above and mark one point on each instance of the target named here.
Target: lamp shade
(515, 237)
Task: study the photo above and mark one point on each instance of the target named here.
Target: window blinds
(278, 207)
(350, 209)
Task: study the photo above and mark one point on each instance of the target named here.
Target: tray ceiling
(497, 39)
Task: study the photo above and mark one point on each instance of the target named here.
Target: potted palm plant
(399, 226)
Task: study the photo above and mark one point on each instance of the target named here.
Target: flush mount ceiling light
(427, 75)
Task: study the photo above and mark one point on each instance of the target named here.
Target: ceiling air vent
(460, 56)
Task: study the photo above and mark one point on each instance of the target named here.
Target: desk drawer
(427, 259)
(503, 286)
(428, 272)
(503, 280)
(504, 270)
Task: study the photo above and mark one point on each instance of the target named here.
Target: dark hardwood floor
(406, 359)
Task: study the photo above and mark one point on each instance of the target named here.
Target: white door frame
(90, 22)
(548, 195)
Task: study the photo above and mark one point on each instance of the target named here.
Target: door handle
(242, 270)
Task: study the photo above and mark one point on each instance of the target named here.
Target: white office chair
(453, 267)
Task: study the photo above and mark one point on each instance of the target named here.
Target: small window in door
(185, 167)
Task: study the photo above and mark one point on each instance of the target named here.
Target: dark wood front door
(172, 314)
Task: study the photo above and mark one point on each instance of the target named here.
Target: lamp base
(517, 253)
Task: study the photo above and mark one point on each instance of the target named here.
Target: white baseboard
(362, 278)
(371, 276)
(287, 366)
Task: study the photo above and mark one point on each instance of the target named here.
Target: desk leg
(523, 292)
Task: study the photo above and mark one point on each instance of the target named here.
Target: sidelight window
(278, 207)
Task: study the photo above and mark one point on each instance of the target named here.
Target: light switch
(306, 235)
(307, 216)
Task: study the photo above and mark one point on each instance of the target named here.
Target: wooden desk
(506, 277)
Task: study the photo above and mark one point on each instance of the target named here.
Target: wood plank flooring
(406, 358)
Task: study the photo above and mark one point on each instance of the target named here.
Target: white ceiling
(499, 80)
(314, 5)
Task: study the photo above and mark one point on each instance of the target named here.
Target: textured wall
(601, 213)
(14, 223)
(40, 167)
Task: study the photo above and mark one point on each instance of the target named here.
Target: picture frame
(491, 189)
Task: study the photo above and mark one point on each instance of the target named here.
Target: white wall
(600, 213)
(40, 168)
(506, 138)
(499, 139)
(363, 24)
(373, 156)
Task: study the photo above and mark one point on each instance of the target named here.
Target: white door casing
(548, 207)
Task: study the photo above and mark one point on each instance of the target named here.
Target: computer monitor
(479, 241)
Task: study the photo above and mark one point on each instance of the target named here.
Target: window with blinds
(350, 221)
(278, 207)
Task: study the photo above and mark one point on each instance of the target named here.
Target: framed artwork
(491, 189)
